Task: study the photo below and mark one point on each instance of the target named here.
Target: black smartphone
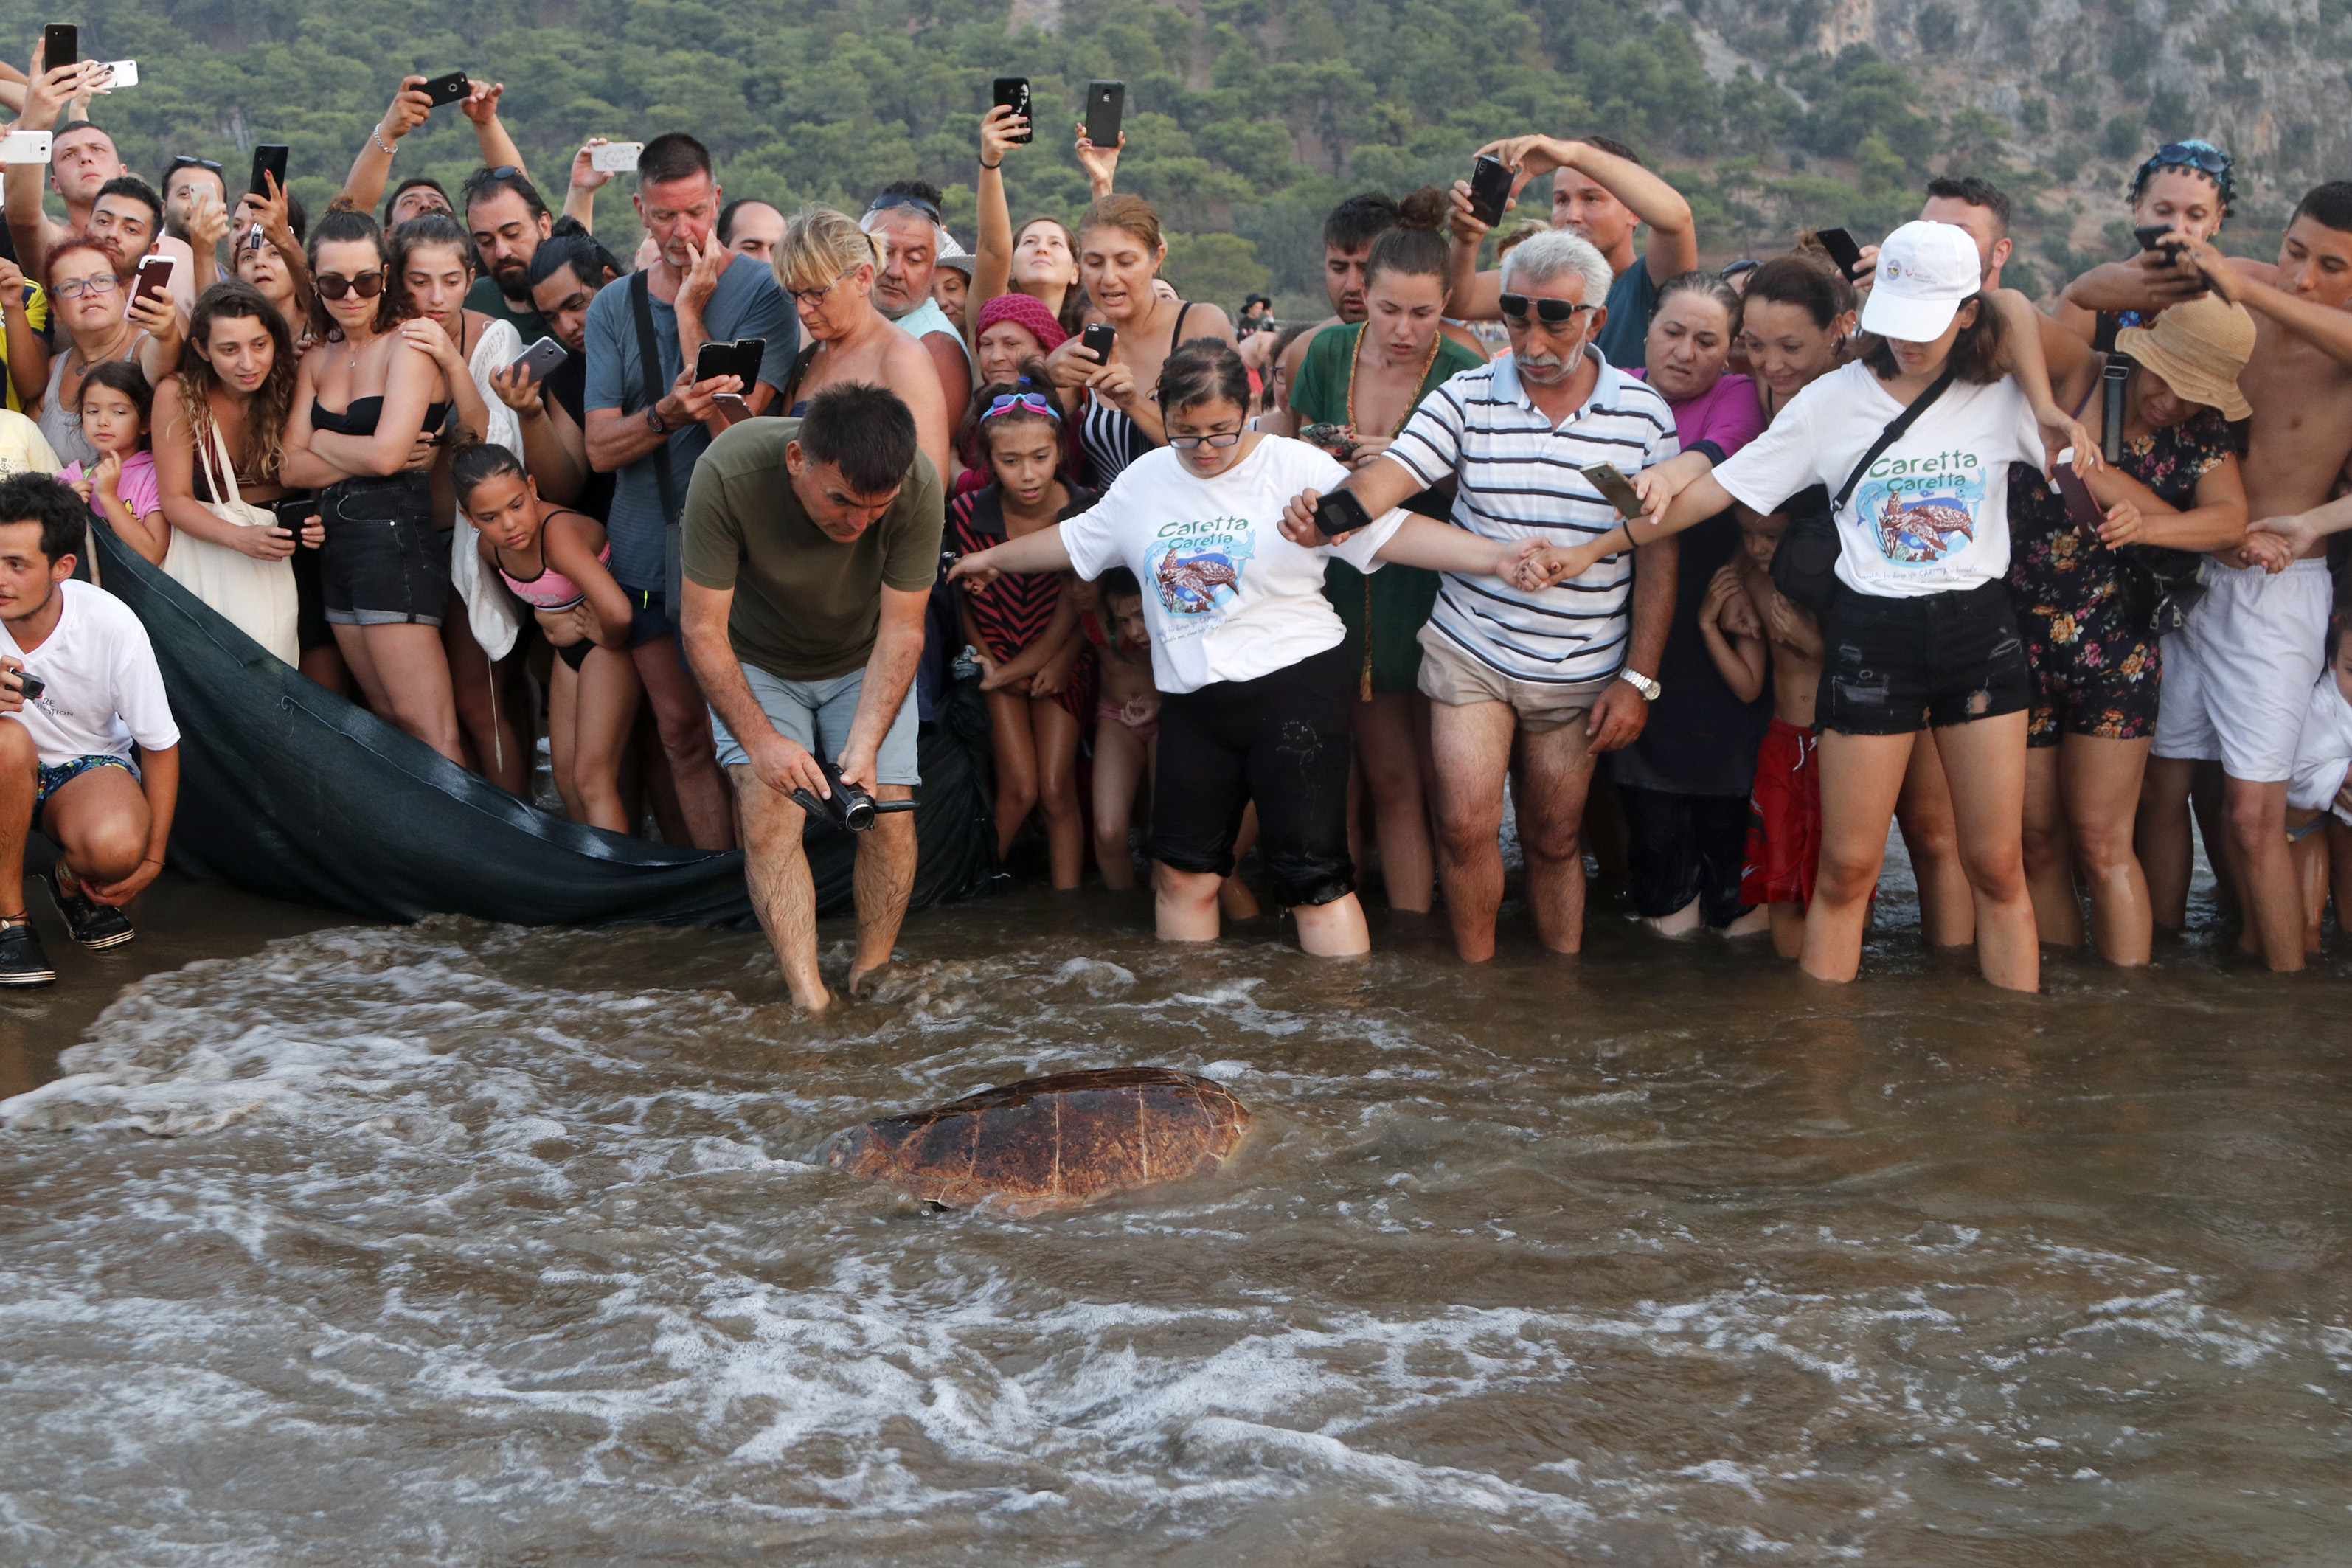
(450, 88)
(1341, 513)
(268, 158)
(294, 513)
(1841, 248)
(60, 46)
(30, 685)
(1013, 93)
(1490, 187)
(2151, 237)
(1097, 341)
(1614, 487)
(154, 277)
(739, 358)
(1105, 105)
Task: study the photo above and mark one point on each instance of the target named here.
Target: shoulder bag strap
(649, 357)
(1888, 436)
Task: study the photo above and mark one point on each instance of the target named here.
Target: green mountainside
(1246, 119)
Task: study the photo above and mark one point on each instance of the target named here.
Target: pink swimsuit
(551, 590)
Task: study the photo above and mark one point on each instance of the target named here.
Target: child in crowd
(1749, 626)
(120, 486)
(2319, 790)
(556, 561)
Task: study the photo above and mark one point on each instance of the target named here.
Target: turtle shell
(1051, 1142)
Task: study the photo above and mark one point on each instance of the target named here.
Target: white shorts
(2238, 676)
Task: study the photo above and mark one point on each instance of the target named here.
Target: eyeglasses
(1222, 439)
(96, 283)
(334, 285)
(888, 200)
(1552, 312)
(1034, 403)
(813, 298)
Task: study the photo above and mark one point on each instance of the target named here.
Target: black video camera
(849, 807)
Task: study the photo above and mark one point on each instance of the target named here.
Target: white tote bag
(489, 610)
(256, 596)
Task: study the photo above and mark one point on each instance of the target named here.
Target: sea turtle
(1051, 1142)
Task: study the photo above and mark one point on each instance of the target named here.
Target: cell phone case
(1490, 187)
(270, 156)
(1012, 92)
(1100, 338)
(1105, 105)
(446, 90)
(1341, 513)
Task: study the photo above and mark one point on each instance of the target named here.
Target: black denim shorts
(1283, 740)
(385, 562)
(1893, 667)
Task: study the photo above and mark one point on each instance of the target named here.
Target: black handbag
(1804, 564)
(2155, 587)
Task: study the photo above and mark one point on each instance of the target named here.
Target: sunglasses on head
(184, 162)
(883, 203)
(2194, 155)
(1552, 312)
(334, 285)
(1029, 402)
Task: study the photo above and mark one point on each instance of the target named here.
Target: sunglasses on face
(334, 285)
(1552, 312)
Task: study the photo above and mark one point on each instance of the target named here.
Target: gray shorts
(816, 714)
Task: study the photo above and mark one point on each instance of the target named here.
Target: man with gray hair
(1530, 684)
(904, 218)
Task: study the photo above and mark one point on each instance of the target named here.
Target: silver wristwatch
(1648, 688)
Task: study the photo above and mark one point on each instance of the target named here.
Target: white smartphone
(26, 147)
(616, 157)
(121, 74)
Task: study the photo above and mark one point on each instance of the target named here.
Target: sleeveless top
(550, 589)
(1014, 612)
(360, 418)
(1110, 440)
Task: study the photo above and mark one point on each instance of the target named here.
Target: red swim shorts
(1784, 818)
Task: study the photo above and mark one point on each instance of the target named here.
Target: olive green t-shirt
(806, 607)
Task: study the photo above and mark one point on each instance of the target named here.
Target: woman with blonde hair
(827, 264)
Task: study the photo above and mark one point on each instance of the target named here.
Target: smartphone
(542, 358)
(26, 146)
(1106, 104)
(1490, 187)
(155, 277)
(1012, 92)
(1097, 339)
(60, 46)
(1841, 248)
(2082, 508)
(1341, 513)
(122, 73)
(450, 88)
(268, 158)
(30, 685)
(2151, 237)
(294, 513)
(616, 157)
(1614, 487)
(740, 358)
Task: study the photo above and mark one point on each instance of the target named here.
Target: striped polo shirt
(1519, 480)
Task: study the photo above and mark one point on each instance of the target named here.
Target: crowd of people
(1716, 575)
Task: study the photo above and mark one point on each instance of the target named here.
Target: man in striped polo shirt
(1532, 684)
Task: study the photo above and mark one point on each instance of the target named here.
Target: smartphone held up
(1013, 93)
(1490, 187)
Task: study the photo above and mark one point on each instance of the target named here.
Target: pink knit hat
(1023, 310)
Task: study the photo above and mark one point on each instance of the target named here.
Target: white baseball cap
(1926, 271)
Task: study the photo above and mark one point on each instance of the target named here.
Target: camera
(850, 807)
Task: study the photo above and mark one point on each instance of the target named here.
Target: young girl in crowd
(1919, 630)
(219, 429)
(1754, 632)
(369, 406)
(1127, 721)
(1039, 672)
(554, 561)
(116, 403)
(1243, 645)
(93, 305)
(1363, 382)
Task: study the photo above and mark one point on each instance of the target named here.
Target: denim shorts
(385, 562)
(1893, 666)
(815, 715)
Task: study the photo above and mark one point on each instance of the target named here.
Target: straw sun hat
(2198, 348)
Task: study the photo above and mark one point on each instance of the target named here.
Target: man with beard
(508, 223)
(1532, 684)
(905, 219)
(1601, 193)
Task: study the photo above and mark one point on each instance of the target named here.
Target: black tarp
(288, 791)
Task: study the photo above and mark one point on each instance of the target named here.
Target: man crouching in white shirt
(79, 677)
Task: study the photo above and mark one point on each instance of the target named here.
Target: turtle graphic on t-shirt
(1189, 583)
(1928, 529)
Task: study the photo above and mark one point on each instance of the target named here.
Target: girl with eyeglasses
(827, 264)
(1037, 670)
(1245, 646)
(89, 299)
(365, 432)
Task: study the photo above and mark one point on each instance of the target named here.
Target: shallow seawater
(465, 1244)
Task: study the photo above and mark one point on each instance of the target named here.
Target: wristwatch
(1649, 688)
(654, 421)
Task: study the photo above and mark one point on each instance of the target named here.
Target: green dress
(1394, 601)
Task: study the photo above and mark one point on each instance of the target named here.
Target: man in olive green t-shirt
(810, 549)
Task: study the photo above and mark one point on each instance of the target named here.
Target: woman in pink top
(1685, 779)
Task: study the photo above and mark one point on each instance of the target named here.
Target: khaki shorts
(1452, 676)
